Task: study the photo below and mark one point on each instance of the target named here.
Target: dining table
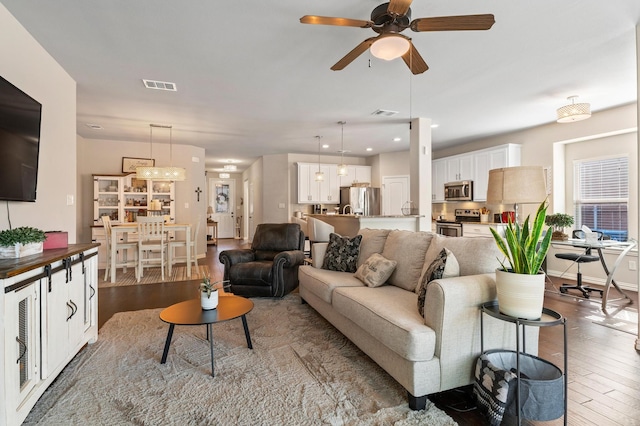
(122, 231)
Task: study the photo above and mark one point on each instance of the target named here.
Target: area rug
(152, 276)
(301, 371)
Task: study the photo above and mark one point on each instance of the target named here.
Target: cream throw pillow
(376, 270)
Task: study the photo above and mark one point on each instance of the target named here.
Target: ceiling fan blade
(414, 61)
(399, 7)
(357, 51)
(327, 20)
(454, 23)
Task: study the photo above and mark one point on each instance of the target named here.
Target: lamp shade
(209, 210)
(522, 185)
(390, 47)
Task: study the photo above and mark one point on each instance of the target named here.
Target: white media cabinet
(48, 312)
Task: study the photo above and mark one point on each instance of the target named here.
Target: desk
(599, 245)
(124, 229)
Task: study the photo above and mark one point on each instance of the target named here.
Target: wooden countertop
(13, 267)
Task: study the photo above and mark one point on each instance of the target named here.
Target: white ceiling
(253, 81)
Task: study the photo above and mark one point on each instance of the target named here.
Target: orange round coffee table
(191, 313)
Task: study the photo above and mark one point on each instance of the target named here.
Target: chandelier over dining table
(167, 173)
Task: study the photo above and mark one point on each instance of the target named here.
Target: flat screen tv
(19, 143)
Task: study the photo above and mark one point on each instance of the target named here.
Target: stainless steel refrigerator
(363, 200)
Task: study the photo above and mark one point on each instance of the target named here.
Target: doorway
(222, 199)
(395, 192)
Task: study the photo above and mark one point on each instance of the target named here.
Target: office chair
(579, 258)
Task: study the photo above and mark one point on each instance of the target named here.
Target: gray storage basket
(541, 386)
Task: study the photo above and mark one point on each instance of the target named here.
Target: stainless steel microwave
(458, 191)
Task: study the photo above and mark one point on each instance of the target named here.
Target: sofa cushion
(444, 266)
(475, 255)
(322, 282)
(389, 314)
(372, 242)
(342, 253)
(376, 270)
(408, 248)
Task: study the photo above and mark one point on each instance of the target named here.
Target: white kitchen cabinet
(49, 312)
(307, 187)
(355, 175)
(312, 192)
(488, 159)
(330, 188)
(438, 179)
(124, 197)
(481, 230)
(459, 167)
(473, 166)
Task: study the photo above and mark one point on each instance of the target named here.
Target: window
(601, 195)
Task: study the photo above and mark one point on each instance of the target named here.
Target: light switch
(281, 206)
(70, 200)
(186, 205)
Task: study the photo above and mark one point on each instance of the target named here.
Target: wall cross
(198, 191)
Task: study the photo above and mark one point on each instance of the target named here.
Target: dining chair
(152, 240)
(121, 247)
(174, 244)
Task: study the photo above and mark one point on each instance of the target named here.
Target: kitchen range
(453, 228)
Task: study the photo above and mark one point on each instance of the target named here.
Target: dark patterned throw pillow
(444, 266)
(342, 253)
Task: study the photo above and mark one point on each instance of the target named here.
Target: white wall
(30, 68)
(392, 164)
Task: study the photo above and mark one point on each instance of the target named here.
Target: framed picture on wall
(129, 164)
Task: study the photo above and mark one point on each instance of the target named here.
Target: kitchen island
(350, 224)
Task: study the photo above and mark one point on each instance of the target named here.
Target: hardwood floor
(604, 367)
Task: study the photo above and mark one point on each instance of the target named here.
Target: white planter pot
(210, 302)
(520, 295)
(20, 250)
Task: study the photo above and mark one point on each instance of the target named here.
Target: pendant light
(319, 173)
(342, 168)
(169, 173)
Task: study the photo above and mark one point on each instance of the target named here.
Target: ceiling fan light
(389, 48)
(573, 112)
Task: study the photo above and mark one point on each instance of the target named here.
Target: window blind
(601, 195)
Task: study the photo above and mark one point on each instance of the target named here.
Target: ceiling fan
(389, 20)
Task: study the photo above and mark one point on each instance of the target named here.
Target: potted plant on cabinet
(21, 241)
(519, 283)
(559, 221)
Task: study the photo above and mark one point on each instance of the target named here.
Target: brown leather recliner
(270, 267)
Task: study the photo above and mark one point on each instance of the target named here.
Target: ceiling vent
(384, 112)
(94, 126)
(159, 85)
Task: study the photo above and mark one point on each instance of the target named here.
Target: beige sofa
(425, 355)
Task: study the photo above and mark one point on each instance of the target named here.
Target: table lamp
(517, 185)
(209, 212)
